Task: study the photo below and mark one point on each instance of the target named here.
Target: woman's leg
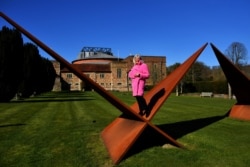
(142, 104)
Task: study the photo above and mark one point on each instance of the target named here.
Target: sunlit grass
(63, 129)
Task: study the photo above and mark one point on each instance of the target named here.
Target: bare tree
(237, 53)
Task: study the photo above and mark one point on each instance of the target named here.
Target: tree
(47, 76)
(31, 66)
(11, 57)
(237, 53)
(171, 68)
(39, 73)
(198, 72)
(22, 70)
(217, 74)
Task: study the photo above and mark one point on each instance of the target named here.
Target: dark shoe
(141, 113)
(147, 113)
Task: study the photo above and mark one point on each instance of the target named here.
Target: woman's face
(137, 59)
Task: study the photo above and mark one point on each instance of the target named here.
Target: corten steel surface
(121, 134)
(240, 85)
(241, 112)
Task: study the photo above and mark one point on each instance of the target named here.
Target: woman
(138, 74)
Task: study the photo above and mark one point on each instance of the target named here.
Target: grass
(63, 129)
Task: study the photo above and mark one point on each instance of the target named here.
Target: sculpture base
(241, 112)
(120, 135)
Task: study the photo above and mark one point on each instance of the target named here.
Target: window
(119, 73)
(119, 84)
(101, 75)
(69, 75)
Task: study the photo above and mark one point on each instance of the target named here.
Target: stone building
(107, 70)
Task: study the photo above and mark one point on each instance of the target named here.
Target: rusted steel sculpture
(240, 85)
(120, 135)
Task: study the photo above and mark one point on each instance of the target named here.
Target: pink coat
(138, 83)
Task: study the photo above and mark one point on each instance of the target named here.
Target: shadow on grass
(179, 129)
(151, 138)
(9, 125)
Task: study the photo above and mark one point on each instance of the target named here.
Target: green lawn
(63, 129)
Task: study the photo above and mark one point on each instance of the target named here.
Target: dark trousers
(141, 102)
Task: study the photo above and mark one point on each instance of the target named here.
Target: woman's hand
(137, 75)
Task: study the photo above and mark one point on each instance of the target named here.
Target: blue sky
(171, 28)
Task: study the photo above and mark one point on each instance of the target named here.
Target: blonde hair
(136, 56)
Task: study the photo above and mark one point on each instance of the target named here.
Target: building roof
(98, 57)
(101, 56)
